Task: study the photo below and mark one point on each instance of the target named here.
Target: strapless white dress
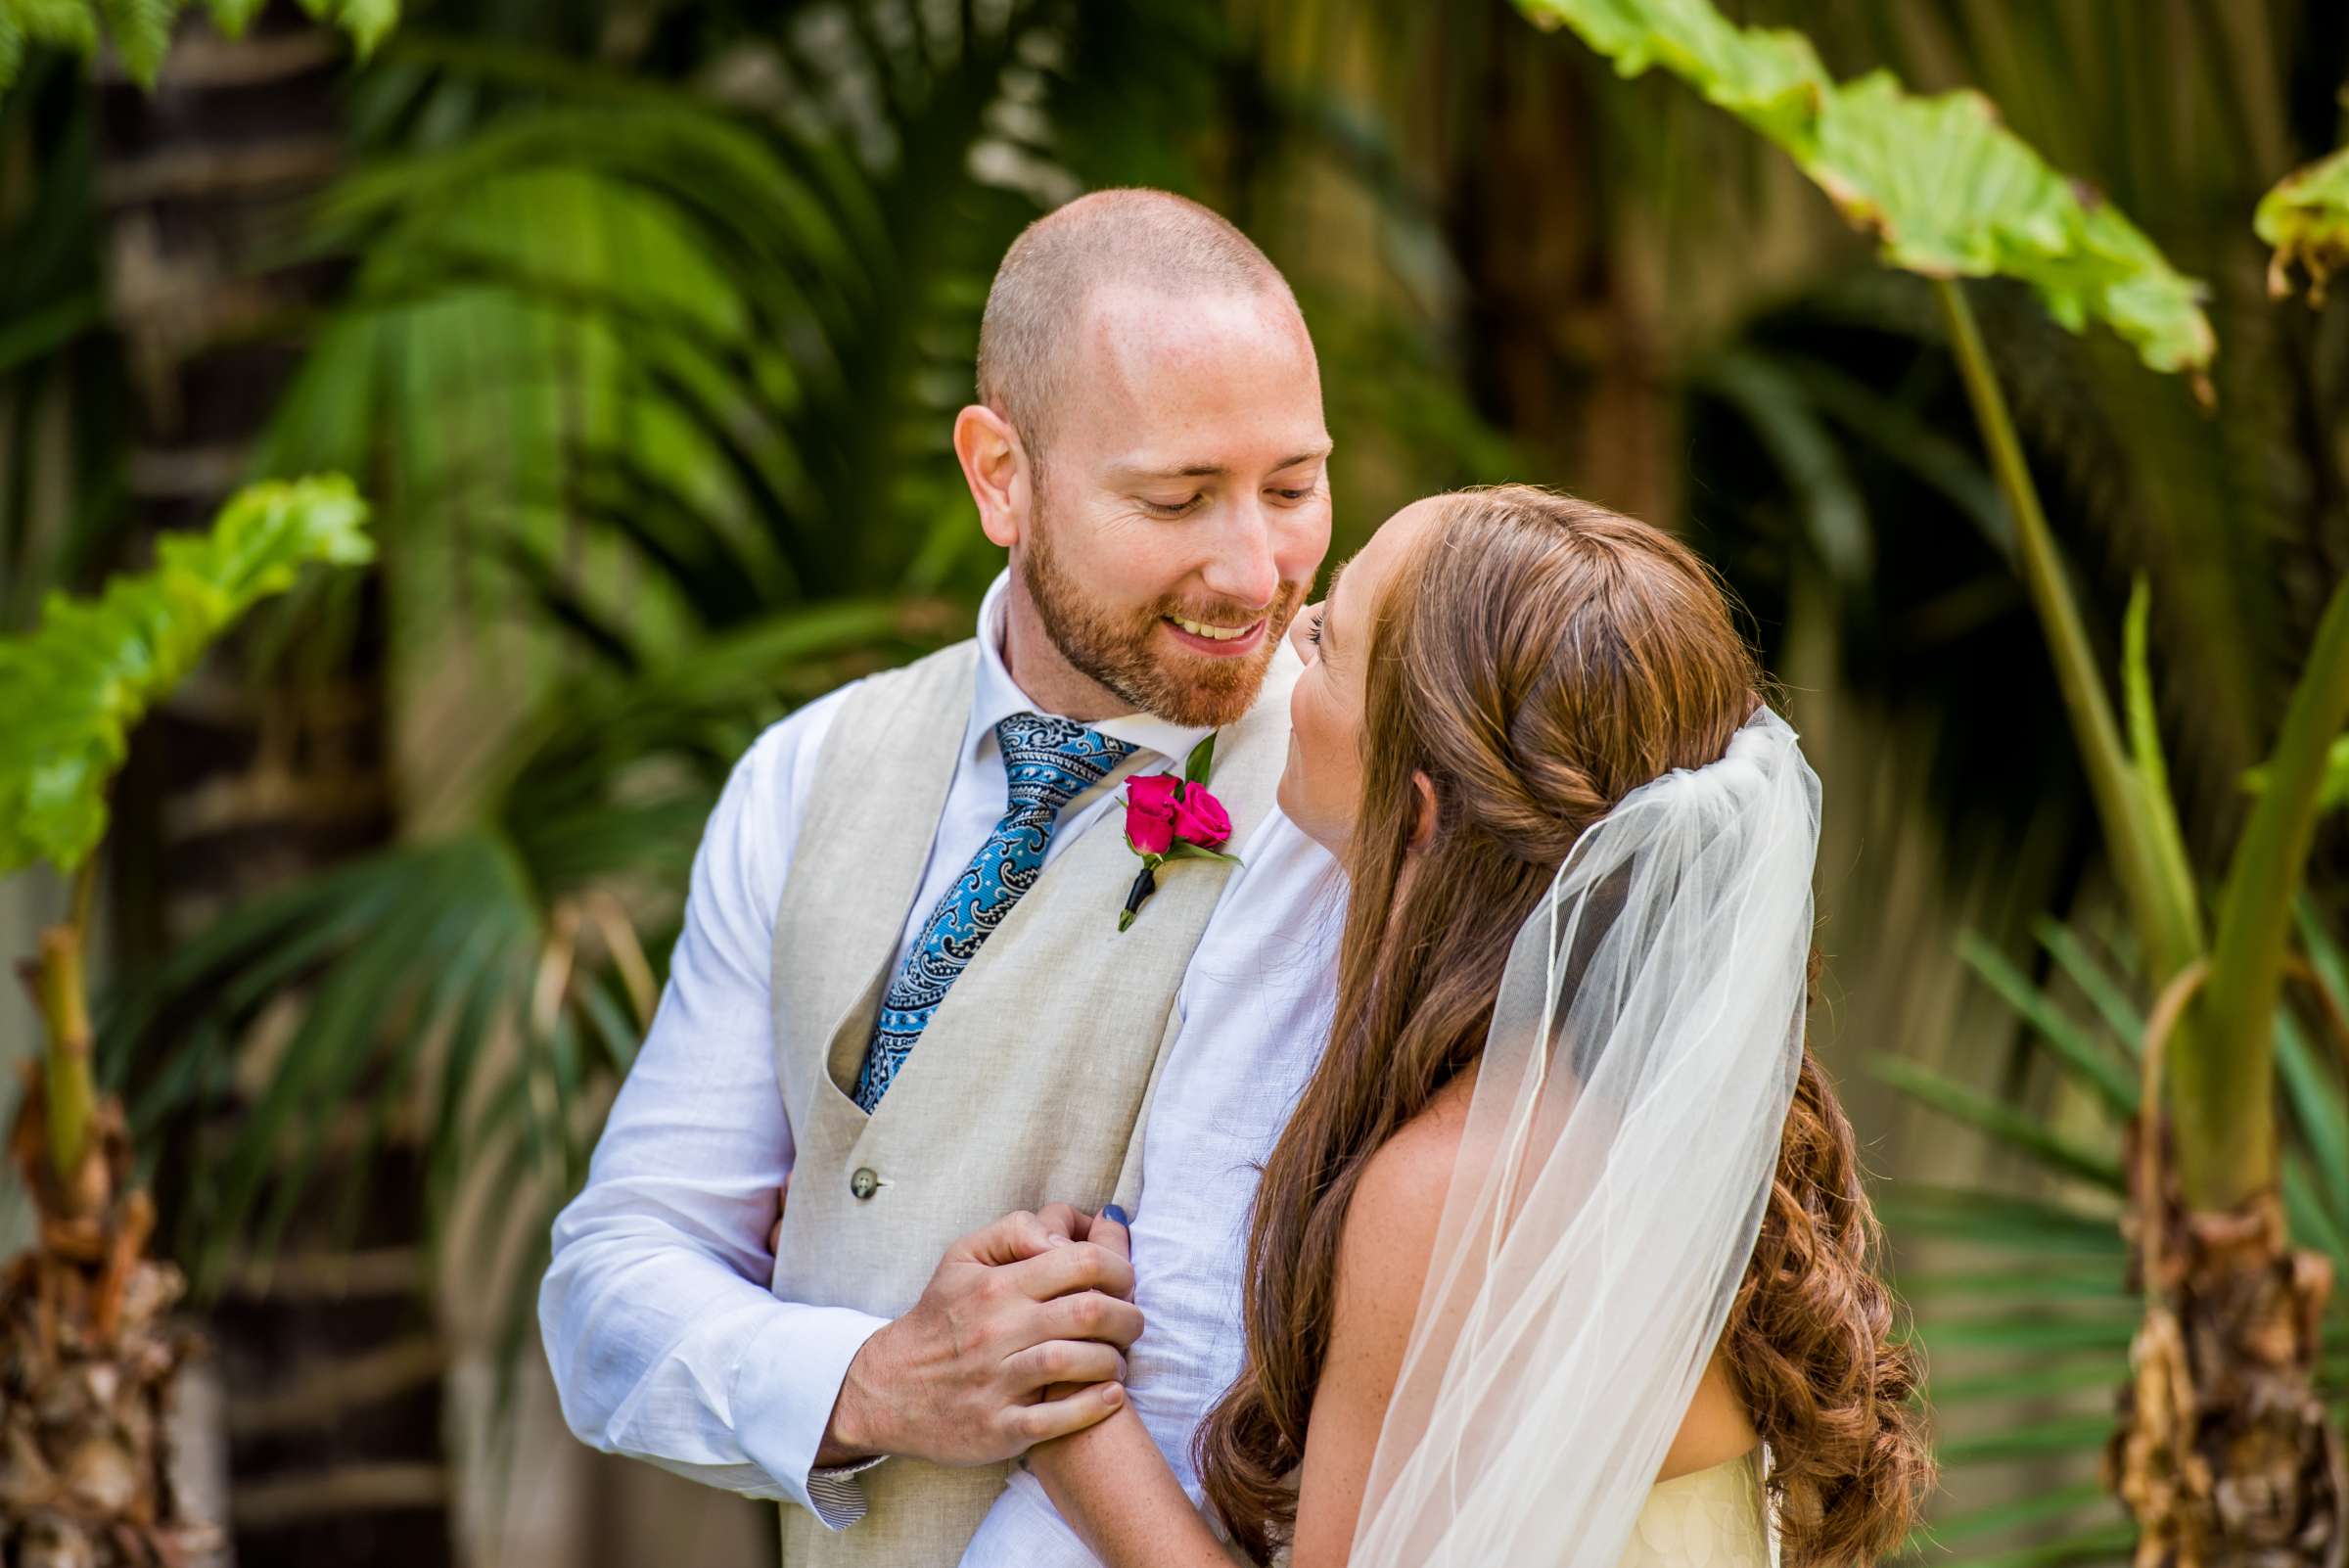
(1711, 1518)
(1716, 1517)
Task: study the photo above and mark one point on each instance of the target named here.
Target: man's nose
(1242, 568)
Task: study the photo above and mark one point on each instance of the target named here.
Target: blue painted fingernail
(1113, 1212)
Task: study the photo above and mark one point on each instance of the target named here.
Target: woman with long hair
(1564, 1258)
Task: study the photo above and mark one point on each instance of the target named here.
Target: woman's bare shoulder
(1391, 1222)
(1406, 1179)
(1390, 1231)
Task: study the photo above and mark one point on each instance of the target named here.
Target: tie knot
(1049, 761)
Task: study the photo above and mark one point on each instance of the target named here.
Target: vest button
(863, 1183)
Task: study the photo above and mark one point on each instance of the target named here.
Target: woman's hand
(1109, 1229)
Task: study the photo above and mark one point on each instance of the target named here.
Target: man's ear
(1423, 820)
(995, 465)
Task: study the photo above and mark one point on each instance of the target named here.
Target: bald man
(903, 986)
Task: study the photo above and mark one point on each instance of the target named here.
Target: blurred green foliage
(2306, 219)
(140, 30)
(70, 691)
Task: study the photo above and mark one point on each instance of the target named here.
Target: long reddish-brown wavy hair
(1539, 658)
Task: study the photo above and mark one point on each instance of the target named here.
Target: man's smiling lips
(1218, 642)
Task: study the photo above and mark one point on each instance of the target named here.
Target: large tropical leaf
(1950, 194)
(2138, 477)
(1947, 190)
(71, 690)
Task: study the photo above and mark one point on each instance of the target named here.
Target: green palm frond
(2001, 1122)
(651, 361)
(2082, 1052)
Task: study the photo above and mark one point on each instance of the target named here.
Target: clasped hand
(1019, 1337)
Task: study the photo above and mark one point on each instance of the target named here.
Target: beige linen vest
(1028, 1084)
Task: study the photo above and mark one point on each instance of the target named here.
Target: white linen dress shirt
(665, 1341)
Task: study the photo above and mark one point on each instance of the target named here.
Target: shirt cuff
(783, 1392)
(837, 1496)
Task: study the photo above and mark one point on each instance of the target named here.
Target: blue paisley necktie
(1049, 762)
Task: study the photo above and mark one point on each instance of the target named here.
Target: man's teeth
(1200, 628)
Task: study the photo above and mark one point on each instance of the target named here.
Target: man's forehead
(1127, 319)
(1163, 378)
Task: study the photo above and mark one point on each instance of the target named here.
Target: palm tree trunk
(330, 1359)
(2224, 1453)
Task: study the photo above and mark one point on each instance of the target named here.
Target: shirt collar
(997, 696)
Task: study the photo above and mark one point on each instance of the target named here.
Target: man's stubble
(1125, 655)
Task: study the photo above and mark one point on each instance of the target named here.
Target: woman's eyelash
(1313, 629)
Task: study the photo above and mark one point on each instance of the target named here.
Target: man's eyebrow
(1212, 470)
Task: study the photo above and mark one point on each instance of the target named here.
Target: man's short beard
(1115, 651)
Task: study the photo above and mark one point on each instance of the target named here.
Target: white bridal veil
(1618, 1157)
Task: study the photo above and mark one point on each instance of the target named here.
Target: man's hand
(960, 1379)
(1104, 1230)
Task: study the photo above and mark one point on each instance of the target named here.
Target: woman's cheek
(1332, 780)
(1308, 717)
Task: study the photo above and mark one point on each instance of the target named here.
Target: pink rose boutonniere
(1173, 817)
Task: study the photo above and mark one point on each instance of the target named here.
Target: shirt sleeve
(665, 1342)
